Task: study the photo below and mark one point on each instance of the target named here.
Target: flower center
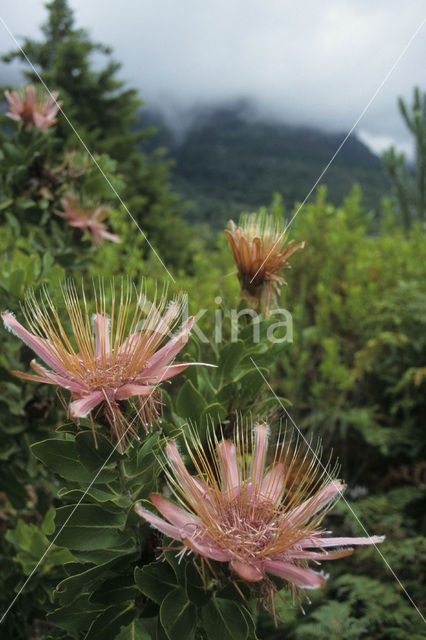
(248, 524)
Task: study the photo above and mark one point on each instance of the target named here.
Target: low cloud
(304, 63)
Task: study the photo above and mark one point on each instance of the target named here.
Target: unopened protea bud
(260, 252)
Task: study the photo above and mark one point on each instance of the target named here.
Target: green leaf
(195, 589)
(136, 630)
(229, 357)
(69, 588)
(94, 457)
(16, 280)
(251, 383)
(109, 623)
(190, 403)
(224, 620)
(273, 402)
(155, 580)
(89, 527)
(178, 615)
(212, 415)
(102, 493)
(119, 589)
(61, 456)
(48, 524)
(77, 615)
(99, 556)
(160, 633)
(149, 448)
(175, 563)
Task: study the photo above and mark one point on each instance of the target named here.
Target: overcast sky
(302, 62)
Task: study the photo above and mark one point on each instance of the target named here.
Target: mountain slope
(227, 163)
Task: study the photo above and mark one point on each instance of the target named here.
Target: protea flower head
(33, 107)
(88, 220)
(107, 358)
(259, 248)
(260, 521)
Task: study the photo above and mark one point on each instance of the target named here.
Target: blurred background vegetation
(355, 373)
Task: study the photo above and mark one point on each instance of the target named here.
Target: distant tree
(105, 113)
(409, 183)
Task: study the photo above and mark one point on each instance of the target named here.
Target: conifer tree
(409, 183)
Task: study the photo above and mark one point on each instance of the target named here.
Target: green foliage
(332, 621)
(229, 162)
(224, 620)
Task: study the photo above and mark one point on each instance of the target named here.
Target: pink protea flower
(33, 107)
(89, 220)
(112, 357)
(260, 521)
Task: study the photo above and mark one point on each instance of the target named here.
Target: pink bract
(33, 107)
(88, 220)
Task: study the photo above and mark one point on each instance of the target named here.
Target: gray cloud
(306, 62)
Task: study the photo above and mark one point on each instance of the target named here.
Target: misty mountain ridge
(228, 160)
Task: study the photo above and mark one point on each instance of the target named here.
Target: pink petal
(77, 223)
(316, 556)
(65, 204)
(259, 456)
(13, 99)
(40, 120)
(110, 236)
(30, 96)
(158, 523)
(33, 378)
(55, 378)
(208, 549)
(129, 346)
(311, 506)
(95, 215)
(229, 468)
(182, 474)
(247, 571)
(303, 578)
(128, 390)
(167, 372)
(51, 103)
(102, 326)
(171, 370)
(174, 514)
(81, 408)
(273, 483)
(203, 487)
(40, 346)
(340, 542)
(169, 351)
